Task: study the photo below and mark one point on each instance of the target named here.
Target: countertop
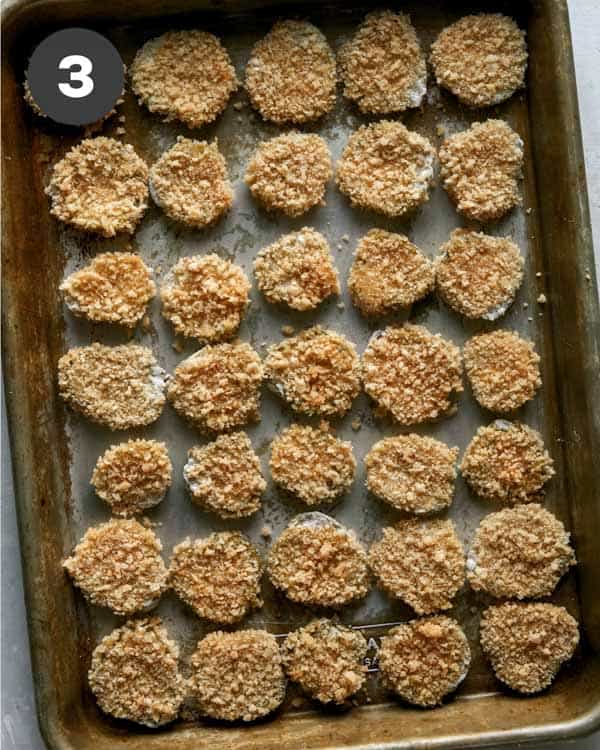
(19, 724)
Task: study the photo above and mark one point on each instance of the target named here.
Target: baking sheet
(245, 230)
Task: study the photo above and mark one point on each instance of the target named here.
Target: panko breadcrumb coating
(113, 288)
(238, 676)
(190, 183)
(481, 168)
(218, 388)
(424, 660)
(225, 477)
(218, 577)
(100, 186)
(117, 386)
(507, 463)
(386, 168)
(421, 562)
(388, 273)
(318, 561)
(30, 101)
(412, 473)
(503, 369)
(519, 553)
(118, 565)
(184, 75)
(291, 74)
(481, 59)
(205, 297)
(478, 275)
(290, 172)
(297, 270)
(133, 476)
(527, 643)
(326, 659)
(135, 675)
(383, 66)
(317, 372)
(312, 464)
(411, 373)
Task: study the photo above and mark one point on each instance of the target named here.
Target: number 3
(82, 76)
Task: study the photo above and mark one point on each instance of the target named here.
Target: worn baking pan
(54, 453)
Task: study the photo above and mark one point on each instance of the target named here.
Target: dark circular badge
(75, 76)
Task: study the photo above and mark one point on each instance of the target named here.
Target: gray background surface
(19, 726)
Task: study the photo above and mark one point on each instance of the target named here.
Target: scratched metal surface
(244, 231)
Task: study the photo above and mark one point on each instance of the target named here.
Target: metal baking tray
(54, 452)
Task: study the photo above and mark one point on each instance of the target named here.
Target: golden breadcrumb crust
(133, 476)
(218, 577)
(190, 183)
(118, 565)
(316, 371)
(481, 168)
(411, 373)
(386, 168)
(507, 463)
(225, 477)
(205, 297)
(481, 59)
(238, 676)
(291, 73)
(289, 173)
(503, 369)
(312, 464)
(218, 388)
(134, 674)
(117, 386)
(383, 66)
(100, 186)
(519, 553)
(424, 660)
(326, 659)
(113, 288)
(388, 273)
(478, 275)
(184, 75)
(412, 473)
(317, 561)
(420, 562)
(297, 270)
(527, 643)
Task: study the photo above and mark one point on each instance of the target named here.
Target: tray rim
(50, 724)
